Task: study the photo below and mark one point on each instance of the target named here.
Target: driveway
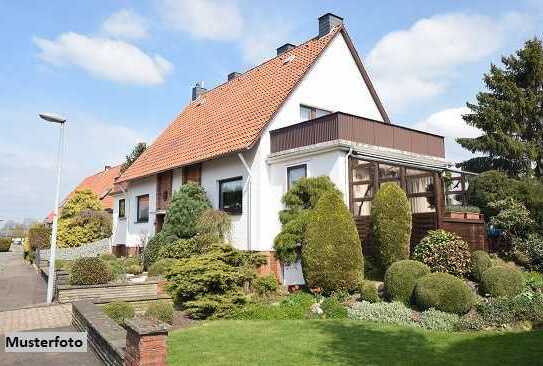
(20, 284)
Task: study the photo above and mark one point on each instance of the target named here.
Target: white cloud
(105, 58)
(449, 123)
(420, 62)
(125, 24)
(206, 19)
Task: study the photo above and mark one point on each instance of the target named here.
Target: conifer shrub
(444, 251)
(502, 281)
(332, 255)
(153, 246)
(90, 271)
(444, 292)
(480, 262)
(391, 220)
(161, 266)
(119, 311)
(401, 277)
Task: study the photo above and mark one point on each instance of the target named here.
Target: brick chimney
(198, 90)
(327, 22)
(285, 48)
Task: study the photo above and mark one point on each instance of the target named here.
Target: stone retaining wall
(85, 250)
(107, 292)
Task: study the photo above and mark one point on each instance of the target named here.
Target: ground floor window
(294, 173)
(231, 195)
(143, 208)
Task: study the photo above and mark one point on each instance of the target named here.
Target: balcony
(347, 127)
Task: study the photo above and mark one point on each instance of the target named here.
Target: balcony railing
(342, 126)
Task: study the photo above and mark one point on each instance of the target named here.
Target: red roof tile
(230, 117)
(101, 184)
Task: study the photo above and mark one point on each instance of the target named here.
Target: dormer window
(307, 113)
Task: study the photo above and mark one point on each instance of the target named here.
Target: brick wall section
(272, 265)
(146, 343)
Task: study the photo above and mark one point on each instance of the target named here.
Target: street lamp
(49, 117)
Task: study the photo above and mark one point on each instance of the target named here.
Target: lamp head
(52, 117)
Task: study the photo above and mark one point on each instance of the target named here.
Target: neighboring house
(310, 111)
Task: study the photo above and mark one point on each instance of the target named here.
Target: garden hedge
(90, 271)
(332, 255)
(401, 277)
(5, 244)
(444, 251)
(39, 236)
(445, 292)
(480, 262)
(391, 219)
(502, 281)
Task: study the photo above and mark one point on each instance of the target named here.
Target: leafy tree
(81, 200)
(332, 253)
(510, 113)
(300, 200)
(134, 154)
(391, 218)
(188, 204)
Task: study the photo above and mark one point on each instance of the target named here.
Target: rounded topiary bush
(480, 262)
(160, 310)
(161, 267)
(401, 277)
(90, 271)
(502, 281)
(391, 218)
(119, 311)
(444, 251)
(368, 291)
(444, 292)
(332, 254)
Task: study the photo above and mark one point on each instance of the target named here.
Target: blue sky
(121, 70)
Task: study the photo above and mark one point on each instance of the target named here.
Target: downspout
(248, 189)
(347, 183)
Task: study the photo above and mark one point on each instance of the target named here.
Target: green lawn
(328, 342)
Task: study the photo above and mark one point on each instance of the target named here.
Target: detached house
(311, 110)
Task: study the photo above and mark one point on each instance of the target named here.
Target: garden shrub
(401, 277)
(333, 308)
(528, 251)
(512, 217)
(295, 306)
(480, 262)
(210, 284)
(153, 246)
(161, 267)
(265, 285)
(534, 280)
(433, 319)
(5, 244)
(444, 251)
(471, 322)
(134, 269)
(39, 236)
(118, 268)
(185, 248)
(332, 254)
(501, 281)
(216, 223)
(444, 292)
(90, 271)
(160, 310)
(391, 218)
(498, 312)
(300, 200)
(80, 200)
(187, 205)
(119, 311)
(368, 291)
(108, 257)
(383, 312)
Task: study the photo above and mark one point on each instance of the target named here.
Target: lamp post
(51, 275)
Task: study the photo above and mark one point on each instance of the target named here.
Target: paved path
(20, 284)
(36, 317)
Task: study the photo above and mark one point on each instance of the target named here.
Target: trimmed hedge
(444, 251)
(480, 262)
(161, 267)
(401, 278)
(332, 255)
(444, 292)
(119, 311)
(90, 271)
(5, 244)
(160, 310)
(391, 218)
(502, 281)
(39, 236)
(368, 291)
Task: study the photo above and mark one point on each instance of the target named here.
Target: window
(143, 208)
(307, 113)
(294, 173)
(122, 209)
(231, 195)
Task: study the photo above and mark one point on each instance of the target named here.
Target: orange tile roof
(101, 184)
(230, 117)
